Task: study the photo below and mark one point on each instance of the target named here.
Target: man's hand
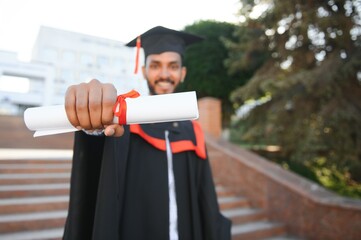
(89, 106)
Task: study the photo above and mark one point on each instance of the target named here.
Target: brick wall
(308, 210)
(210, 115)
(14, 134)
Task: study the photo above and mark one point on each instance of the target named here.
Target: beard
(151, 88)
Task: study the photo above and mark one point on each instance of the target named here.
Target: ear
(184, 73)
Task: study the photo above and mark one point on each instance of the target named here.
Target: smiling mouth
(164, 83)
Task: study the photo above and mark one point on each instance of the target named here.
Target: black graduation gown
(119, 188)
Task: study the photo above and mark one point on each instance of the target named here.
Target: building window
(103, 62)
(60, 90)
(49, 55)
(36, 85)
(86, 60)
(120, 65)
(68, 57)
(14, 84)
(67, 76)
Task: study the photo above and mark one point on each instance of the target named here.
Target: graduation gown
(119, 186)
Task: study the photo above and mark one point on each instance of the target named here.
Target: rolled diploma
(48, 120)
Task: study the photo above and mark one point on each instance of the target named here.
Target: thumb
(114, 130)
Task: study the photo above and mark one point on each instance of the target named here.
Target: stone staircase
(34, 201)
(247, 222)
(33, 198)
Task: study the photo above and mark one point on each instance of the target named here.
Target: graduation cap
(160, 39)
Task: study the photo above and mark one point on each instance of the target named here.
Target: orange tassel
(138, 45)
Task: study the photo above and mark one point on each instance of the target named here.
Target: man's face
(163, 72)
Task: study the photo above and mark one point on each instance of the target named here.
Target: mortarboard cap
(160, 39)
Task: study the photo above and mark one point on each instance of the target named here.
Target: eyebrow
(171, 62)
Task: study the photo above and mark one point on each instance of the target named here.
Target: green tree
(207, 73)
(314, 79)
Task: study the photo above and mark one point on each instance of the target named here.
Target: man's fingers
(90, 105)
(82, 108)
(109, 99)
(95, 107)
(70, 108)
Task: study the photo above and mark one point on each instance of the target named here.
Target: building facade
(24, 84)
(62, 58)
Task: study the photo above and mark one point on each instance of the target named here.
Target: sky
(120, 20)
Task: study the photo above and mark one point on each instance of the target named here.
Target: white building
(62, 58)
(24, 84)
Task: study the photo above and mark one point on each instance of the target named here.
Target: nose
(164, 74)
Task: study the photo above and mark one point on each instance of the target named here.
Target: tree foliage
(206, 72)
(313, 76)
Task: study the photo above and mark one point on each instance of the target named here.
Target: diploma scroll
(48, 120)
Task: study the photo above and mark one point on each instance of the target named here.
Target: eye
(153, 66)
(174, 67)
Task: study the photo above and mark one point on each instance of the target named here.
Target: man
(138, 182)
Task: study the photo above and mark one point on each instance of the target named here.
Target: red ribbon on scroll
(120, 108)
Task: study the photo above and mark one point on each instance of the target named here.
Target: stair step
(48, 234)
(244, 215)
(34, 198)
(27, 190)
(14, 176)
(257, 230)
(33, 204)
(33, 178)
(32, 221)
(35, 154)
(232, 202)
(224, 192)
(285, 237)
(35, 161)
(34, 168)
(33, 181)
(31, 187)
(6, 218)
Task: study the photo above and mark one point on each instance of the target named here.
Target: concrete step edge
(30, 235)
(224, 190)
(21, 154)
(33, 175)
(254, 227)
(283, 237)
(9, 166)
(21, 217)
(33, 200)
(235, 212)
(30, 187)
(228, 199)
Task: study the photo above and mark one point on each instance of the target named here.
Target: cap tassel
(138, 45)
